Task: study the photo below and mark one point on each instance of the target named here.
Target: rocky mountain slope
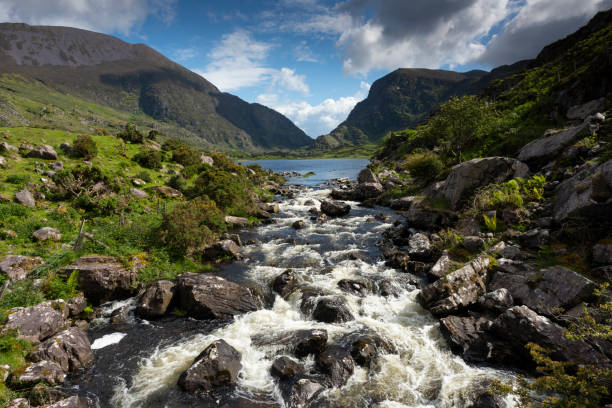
(103, 70)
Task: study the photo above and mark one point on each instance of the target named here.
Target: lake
(324, 169)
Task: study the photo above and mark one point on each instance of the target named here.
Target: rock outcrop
(69, 349)
(102, 278)
(36, 323)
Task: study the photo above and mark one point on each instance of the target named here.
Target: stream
(138, 363)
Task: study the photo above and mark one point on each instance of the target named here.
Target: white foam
(107, 340)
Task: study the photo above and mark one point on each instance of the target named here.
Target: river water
(138, 363)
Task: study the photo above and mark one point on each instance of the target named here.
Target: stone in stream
(337, 363)
(155, 300)
(298, 225)
(217, 366)
(76, 305)
(36, 323)
(335, 208)
(357, 287)
(236, 222)
(300, 342)
(69, 349)
(211, 297)
(285, 367)
(285, 283)
(366, 346)
(225, 249)
(298, 393)
(332, 309)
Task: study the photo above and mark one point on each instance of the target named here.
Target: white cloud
(109, 16)
(318, 119)
(185, 54)
(303, 53)
(239, 61)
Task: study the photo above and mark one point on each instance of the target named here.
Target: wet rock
(335, 208)
(285, 283)
(156, 299)
(225, 249)
(336, 362)
(581, 112)
(300, 393)
(42, 395)
(367, 176)
(419, 247)
(211, 297)
(358, 256)
(473, 244)
(272, 208)
(35, 323)
(457, 289)
(42, 371)
(310, 296)
(71, 402)
(356, 287)
(332, 309)
(45, 152)
(285, 367)
(365, 191)
(545, 290)
(232, 237)
(465, 178)
(496, 301)
(25, 197)
(18, 267)
(441, 267)
(121, 315)
(540, 151)
(484, 398)
(462, 332)
(236, 222)
(298, 225)
(167, 192)
(69, 349)
(138, 193)
(602, 253)
(102, 278)
(396, 258)
(19, 403)
(217, 366)
(365, 347)
(300, 342)
(535, 238)
(47, 233)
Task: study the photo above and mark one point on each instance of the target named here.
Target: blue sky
(313, 60)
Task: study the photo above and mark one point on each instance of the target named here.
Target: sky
(313, 60)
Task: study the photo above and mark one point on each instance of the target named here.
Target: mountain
(108, 72)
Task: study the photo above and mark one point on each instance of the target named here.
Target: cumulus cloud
(109, 16)
(239, 61)
(316, 119)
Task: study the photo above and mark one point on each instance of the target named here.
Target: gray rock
(496, 301)
(18, 403)
(138, 193)
(138, 182)
(300, 393)
(76, 305)
(540, 151)
(66, 147)
(120, 315)
(441, 267)
(457, 289)
(45, 152)
(473, 243)
(217, 366)
(18, 267)
(232, 237)
(236, 222)
(57, 166)
(357, 287)
(462, 332)
(535, 238)
(47, 233)
(285, 283)
(42, 395)
(71, 402)
(226, 249)
(36, 323)
(272, 208)
(3, 162)
(422, 216)
(364, 191)
(285, 367)
(581, 112)
(402, 204)
(465, 178)
(332, 309)
(69, 349)
(24, 197)
(207, 160)
(155, 300)
(602, 253)
(46, 371)
(5, 147)
(102, 278)
(167, 192)
(211, 297)
(419, 247)
(335, 208)
(337, 363)
(299, 342)
(367, 176)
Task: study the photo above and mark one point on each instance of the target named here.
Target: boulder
(541, 151)
(462, 332)
(402, 204)
(602, 253)
(226, 249)
(496, 301)
(24, 197)
(300, 342)
(211, 297)
(37, 372)
(473, 244)
(102, 278)
(545, 290)
(441, 267)
(357, 287)
(69, 349)
(76, 305)
(337, 363)
(271, 208)
(285, 367)
(367, 176)
(456, 290)
(18, 267)
(138, 193)
(42, 395)
(155, 300)
(298, 225)
(419, 247)
(423, 216)
(71, 402)
(66, 147)
(535, 238)
(236, 222)
(217, 366)
(335, 208)
(35, 323)
(365, 347)
(3, 162)
(232, 237)
(120, 315)
(465, 178)
(581, 112)
(207, 160)
(365, 191)
(285, 283)
(167, 192)
(299, 393)
(18, 403)
(5, 147)
(45, 152)
(332, 309)
(47, 233)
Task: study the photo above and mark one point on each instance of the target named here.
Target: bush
(84, 146)
(191, 225)
(186, 156)
(190, 171)
(229, 192)
(97, 206)
(425, 167)
(81, 180)
(178, 182)
(131, 134)
(153, 134)
(144, 176)
(18, 179)
(171, 144)
(150, 159)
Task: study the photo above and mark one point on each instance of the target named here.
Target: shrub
(186, 156)
(171, 144)
(144, 176)
(84, 146)
(131, 134)
(190, 171)
(178, 182)
(81, 180)
(153, 134)
(490, 222)
(191, 225)
(18, 179)
(98, 206)
(425, 166)
(150, 159)
(229, 192)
